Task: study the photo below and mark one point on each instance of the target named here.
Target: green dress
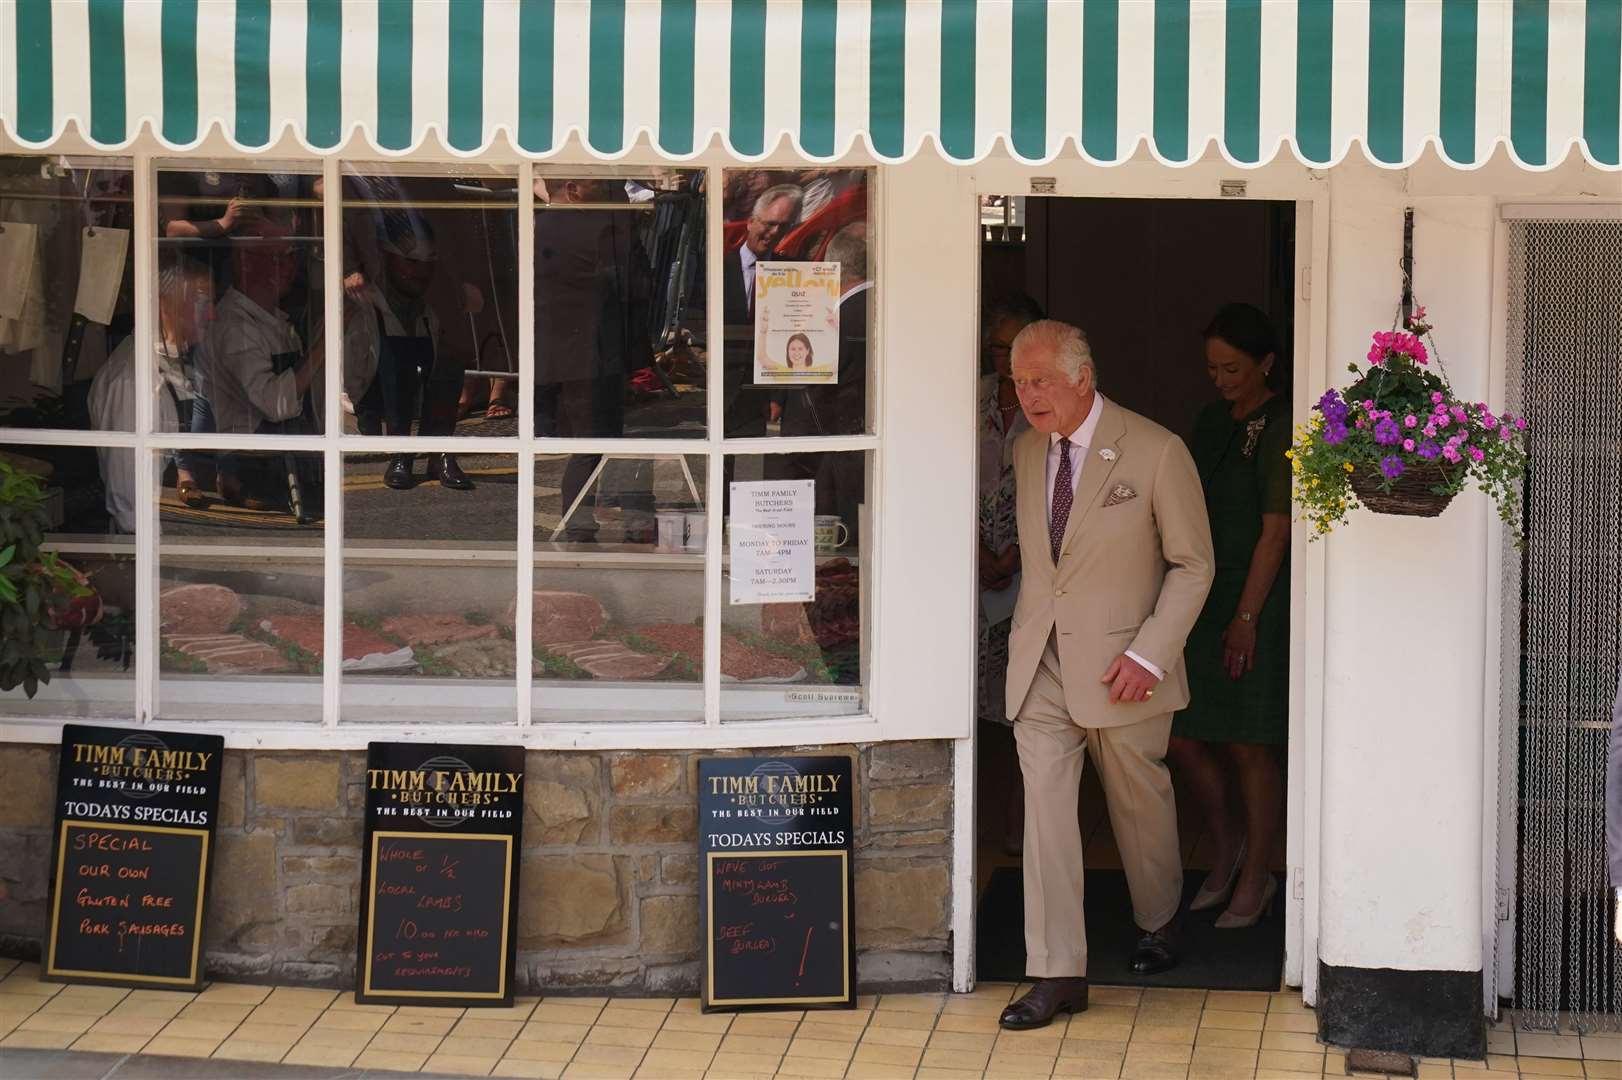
(1245, 475)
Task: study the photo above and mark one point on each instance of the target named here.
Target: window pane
(431, 304)
(803, 657)
(240, 593)
(429, 580)
(251, 361)
(796, 355)
(619, 588)
(87, 641)
(66, 293)
(619, 307)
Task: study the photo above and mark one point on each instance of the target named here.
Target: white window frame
(332, 732)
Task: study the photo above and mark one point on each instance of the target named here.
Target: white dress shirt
(1081, 441)
(112, 408)
(747, 259)
(235, 363)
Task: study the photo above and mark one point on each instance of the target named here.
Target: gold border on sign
(56, 906)
(844, 924)
(371, 918)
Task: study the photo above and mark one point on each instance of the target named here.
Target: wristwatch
(1245, 616)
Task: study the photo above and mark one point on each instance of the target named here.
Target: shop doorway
(1143, 278)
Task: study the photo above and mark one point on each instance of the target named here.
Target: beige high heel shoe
(1229, 921)
(1206, 899)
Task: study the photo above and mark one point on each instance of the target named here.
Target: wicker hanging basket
(1413, 494)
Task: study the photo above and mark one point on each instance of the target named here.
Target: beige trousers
(1143, 814)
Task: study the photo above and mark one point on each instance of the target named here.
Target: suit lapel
(1095, 470)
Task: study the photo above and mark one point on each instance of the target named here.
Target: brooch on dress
(1253, 434)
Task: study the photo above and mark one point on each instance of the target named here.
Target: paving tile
(1040, 1041)
(285, 1015)
(554, 1031)
(1114, 995)
(534, 1070)
(460, 1064)
(885, 1054)
(110, 1044)
(197, 1029)
(537, 1050)
(742, 1065)
(811, 1029)
(399, 1042)
(249, 1050)
(891, 1018)
(305, 1052)
(1099, 1030)
(1548, 1065)
(1158, 1053)
(1222, 1063)
(1011, 1066)
(346, 1020)
(1299, 1041)
(609, 1055)
(692, 1041)
(905, 1037)
(676, 1060)
(1233, 1021)
(234, 994)
(1183, 1032)
(968, 1023)
(811, 1068)
(956, 1040)
(356, 1041)
(1154, 1070)
(94, 999)
(403, 1060)
(919, 1003)
(1239, 1000)
(637, 1038)
(1284, 1021)
(936, 1058)
(519, 1010)
(574, 999)
(580, 1070)
(215, 1012)
(1544, 1045)
(481, 1028)
(761, 1025)
(473, 1046)
(269, 1033)
(646, 1019)
(1292, 1061)
(1434, 1070)
(872, 1070)
(716, 1023)
(301, 997)
(26, 983)
(1083, 1068)
(133, 1006)
(1228, 1038)
(754, 1044)
(347, 1003)
(69, 1023)
(181, 1046)
(403, 1023)
(128, 1025)
(570, 1013)
(969, 1005)
(820, 1048)
(1092, 1048)
(1602, 1069)
(40, 1040)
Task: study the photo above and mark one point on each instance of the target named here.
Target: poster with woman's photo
(796, 323)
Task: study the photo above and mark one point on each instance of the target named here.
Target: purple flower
(1335, 433)
(1489, 421)
(1408, 445)
(1387, 433)
(1505, 434)
(1520, 423)
(1410, 421)
(1429, 450)
(1477, 453)
(1436, 397)
(1333, 408)
(1391, 465)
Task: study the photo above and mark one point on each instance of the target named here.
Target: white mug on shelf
(830, 533)
(672, 529)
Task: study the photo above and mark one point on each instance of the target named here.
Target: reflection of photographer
(399, 332)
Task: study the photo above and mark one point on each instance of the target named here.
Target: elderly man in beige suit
(1117, 561)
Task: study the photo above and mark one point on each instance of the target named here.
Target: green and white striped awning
(1032, 78)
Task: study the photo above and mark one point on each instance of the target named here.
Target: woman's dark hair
(1246, 328)
(1015, 306)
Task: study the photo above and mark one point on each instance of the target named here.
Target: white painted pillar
(1400, 908)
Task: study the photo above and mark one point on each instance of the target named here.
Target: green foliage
(33, 583)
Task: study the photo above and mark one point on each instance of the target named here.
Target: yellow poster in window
(796, 323)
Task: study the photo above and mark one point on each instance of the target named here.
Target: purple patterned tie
(1063, 496)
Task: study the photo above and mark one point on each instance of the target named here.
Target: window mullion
(144, 251)
(715, 484)
(523, 617)
(332, 465)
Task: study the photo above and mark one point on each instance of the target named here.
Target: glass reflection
(66, 289)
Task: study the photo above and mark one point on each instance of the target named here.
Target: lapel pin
(1107, 454)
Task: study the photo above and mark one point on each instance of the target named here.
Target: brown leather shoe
(1046, 999)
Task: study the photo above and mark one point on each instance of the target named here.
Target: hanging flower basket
(1399, 441)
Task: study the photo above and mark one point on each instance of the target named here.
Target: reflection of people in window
(776, 210)
(798, 352)
(185, 308)
(400, 331)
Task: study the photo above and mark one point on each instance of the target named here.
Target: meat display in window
(198, 609)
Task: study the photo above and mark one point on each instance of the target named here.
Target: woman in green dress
(1226, 745)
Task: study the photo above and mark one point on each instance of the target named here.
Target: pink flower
(1368, 406)
(1430, 431)
(1520, 423)
(1410, 421)
(1408, 445)
(1443, 419)
(1489, 421)
(1459, 414)
(1450, 452)
(1505, 434)
(1477, 453)
(1436, 397)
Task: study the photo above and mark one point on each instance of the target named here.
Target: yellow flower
(1347, 466)
(1289, 454)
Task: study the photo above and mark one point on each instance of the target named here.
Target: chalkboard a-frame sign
(132, 851)
(439, 880)
(775, 888)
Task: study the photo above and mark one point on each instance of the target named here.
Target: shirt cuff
(1147, 666)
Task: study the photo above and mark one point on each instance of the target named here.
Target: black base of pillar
(1427, 1013)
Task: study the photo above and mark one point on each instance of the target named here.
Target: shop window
(798, 302)
(66, 292)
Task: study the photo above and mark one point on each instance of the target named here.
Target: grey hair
(848, 248)
(1068, 344)
(793, 192)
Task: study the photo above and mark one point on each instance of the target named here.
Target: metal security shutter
(1563, 616)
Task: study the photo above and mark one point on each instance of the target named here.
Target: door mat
(1250, 959)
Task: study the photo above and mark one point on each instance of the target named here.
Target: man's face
(1050, 400)
(767, 228)
(409, 277)
(266, 256)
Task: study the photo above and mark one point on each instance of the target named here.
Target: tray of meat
(740, 661)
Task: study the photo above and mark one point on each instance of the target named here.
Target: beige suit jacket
(1130, 575)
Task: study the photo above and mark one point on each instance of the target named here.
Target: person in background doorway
(1225, 745)
(414, 379)
(1001, 422)
(185, 308)
(1115, 564)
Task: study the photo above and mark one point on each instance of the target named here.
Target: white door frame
(1309, 191)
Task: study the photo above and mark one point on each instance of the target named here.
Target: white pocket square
(1119, 494)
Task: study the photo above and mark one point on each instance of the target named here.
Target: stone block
(27, 798)
(318, 899)
(233, 790)
(640, 775)
(922, 838)
(901, 903)
(344, 834)
(910, 761)
(295, 782)
(669, 926)
(675, 980)
(339, 939)
(340, 867)
(562, 798)
(571, 900)
(679, 869)
(244, 886)
(643, 824)
(904, 972)
(909, 806)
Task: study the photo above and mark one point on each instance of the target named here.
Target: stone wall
(610, 876)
